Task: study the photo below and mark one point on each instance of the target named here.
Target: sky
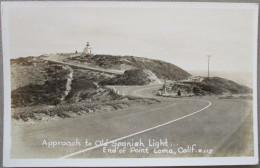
(180, 36)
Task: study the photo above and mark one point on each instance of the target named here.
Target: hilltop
(159, 68)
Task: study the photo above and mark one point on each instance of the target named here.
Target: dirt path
(59, 59)
(68, 84)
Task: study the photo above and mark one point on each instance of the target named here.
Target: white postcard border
(8, 162)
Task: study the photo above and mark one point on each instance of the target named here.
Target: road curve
(220, 126)
(136, 93)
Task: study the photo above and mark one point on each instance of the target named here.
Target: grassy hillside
(50, 89)
(68, 110)
(37, 82)
(28, 70)
(208, 86)
(160, 68)
(132, 77)
(85, 86)
(225, 85)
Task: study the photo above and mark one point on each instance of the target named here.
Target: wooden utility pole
(208, 64)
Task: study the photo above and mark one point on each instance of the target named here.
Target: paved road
(213, 127)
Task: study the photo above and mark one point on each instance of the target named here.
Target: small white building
(87, 49)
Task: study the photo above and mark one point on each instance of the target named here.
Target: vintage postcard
(129, 83)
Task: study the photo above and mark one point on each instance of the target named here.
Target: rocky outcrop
(132, 77)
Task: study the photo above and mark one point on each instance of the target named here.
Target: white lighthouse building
(87, 49)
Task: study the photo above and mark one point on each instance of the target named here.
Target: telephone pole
(208, 64)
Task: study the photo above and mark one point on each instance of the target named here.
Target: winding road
(184, 127)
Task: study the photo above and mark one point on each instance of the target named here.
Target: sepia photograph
(129, 83)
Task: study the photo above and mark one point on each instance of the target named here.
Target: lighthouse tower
(87, 49)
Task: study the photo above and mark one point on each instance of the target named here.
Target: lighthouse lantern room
(87, 49)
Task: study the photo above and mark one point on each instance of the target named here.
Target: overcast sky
(183, 37)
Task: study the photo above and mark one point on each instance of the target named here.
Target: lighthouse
(87, 49)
